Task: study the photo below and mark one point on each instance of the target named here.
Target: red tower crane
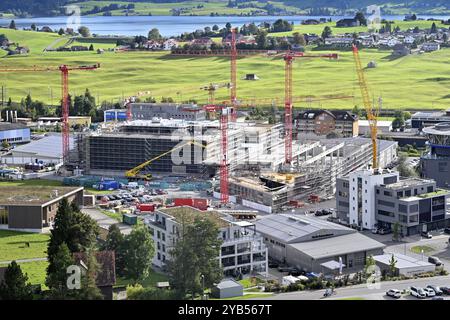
(64, 69)
(225, 113)
(289, 58)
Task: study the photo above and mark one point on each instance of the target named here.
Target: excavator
(134, 174)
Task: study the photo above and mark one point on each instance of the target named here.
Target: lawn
(418, 249)
(36, 271)
(150, 281)
(113, 215)
(401, 83)
(32, 182)
(12, 245)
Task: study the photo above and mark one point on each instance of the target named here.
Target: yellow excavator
(134, 174)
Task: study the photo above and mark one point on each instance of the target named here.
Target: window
(159, 256)
(402, 218)
(387, 193)
(400, 194)
(159, 246)
(430, 189)
(414, 208)
(163, 248)
(403, 208)
(386, 203)
(385, 213)
(408, 193)
(158, 234)
(163, 235)
(414, 218)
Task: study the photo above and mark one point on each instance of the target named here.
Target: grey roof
(4, 126)
(229, 283)
(335, 246)
(296, 228)
(402, 261)
(49, 146)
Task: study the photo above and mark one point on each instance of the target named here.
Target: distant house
(106, 277)
(431, 46)
(227, 288)
(79, 48)
(346, 23)
(339, 41)
(170, 44)
(203, 42)
(400, 50)
(240, 39)
(153, 45)
(310, 22)
(19, 51)
(312, 38)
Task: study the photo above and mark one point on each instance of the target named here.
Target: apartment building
(369, 199)
(242, 250)
(324, 122)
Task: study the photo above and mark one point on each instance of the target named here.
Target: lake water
(167, 25)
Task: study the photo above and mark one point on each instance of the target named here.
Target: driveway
(105, 222)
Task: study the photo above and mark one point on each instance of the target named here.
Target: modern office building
(424, 119)
(242, 250)
(148, 111)
(368, 200)
(436, 163)
(308, 243)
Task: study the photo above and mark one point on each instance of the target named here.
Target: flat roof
(189, 214)
(49, 146)
(335, 246)
(380, 123)
(32, 195)
(402, 260)
(4, 126)
(294, 228)
(406, 183)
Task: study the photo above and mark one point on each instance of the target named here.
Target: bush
(137, 292)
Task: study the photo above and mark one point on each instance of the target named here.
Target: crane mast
(371, 110)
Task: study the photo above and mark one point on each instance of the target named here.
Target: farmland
(401, 82)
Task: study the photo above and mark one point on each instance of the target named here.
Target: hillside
(221, 7)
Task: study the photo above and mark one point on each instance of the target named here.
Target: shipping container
(201, 204)
(146, 207)
(129, 219)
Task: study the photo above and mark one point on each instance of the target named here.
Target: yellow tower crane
(372, 110)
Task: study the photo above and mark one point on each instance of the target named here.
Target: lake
(167, 25)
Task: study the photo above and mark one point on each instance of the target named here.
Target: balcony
(157, 224)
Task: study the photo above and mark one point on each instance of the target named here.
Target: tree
(433, 28)
(195, 255)
(299, 39)
(115, 242)
(84, 31)
(327, 32)
(91, 47)
(12, 25)
(61, 31)
(392, 265)
(15, 284)
(57, 275)
(403, 169)
(361, 18)
(154, 35)
(215, 28)
(370, 263)
(396, 231)
(138, 252)
(261, 39)
(5, 144)
(89, 289)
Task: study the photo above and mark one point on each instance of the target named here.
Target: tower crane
(289, 58)
(212, 88)
(372, 110)
(64, 70)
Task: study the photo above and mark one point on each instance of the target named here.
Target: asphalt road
(363, 292)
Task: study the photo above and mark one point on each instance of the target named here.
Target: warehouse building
(14, 133)
(308, 243)
(148, 111)
(33, 209)
(424, 119)
(405, 265)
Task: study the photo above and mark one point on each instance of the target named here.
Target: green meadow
(412, 82)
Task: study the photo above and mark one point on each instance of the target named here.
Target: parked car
(296, 272)
(436, 289)
(417, 292)
(384, 231)
(429, 292)
(447, 230)
(394, 293)
(426, 235)
(437, 298)
(273, 264)
(375, 230)
(284, 269)
(445, 290)
(435, 260)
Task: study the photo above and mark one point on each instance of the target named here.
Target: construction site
(265, 166)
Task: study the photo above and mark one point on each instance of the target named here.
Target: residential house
(310, 22)
(339, 41)
(169, 44)
(323, 122)
(46, 29)
(202, 42)
(79, 48)
(153, 45)
(240, 39)
(400, 50)
(431, 46)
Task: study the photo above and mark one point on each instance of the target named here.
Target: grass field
(36, 271)
(12, 245)
(150, 281)
(418, 249)
(200, 8)
(412, 82)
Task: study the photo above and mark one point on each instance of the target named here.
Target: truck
(146, 207)
(201, 204)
